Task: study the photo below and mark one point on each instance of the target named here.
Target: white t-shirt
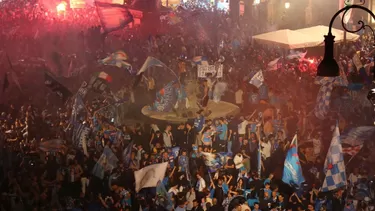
(242, 127)
(201, 184)
(237, 160)
(266, 151)
(316, 146)
(238, 96)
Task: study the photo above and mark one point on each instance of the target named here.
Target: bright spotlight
(61, 7)
(256, 2)
(287, 5)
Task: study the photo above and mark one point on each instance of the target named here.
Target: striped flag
(334, 165)
(352, 150)
(113, 16)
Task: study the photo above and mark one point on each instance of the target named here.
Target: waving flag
(257, 80)
(334, 165)
(200, 60)
(117, 59)
(166, 98)
(352, 150)
(175, 152)
(113, 16)
(150, 62)
(359, 135)
(81, 131)
(126, 154)
(292, 174)
(99, 82)
(212, 161)
(150, 176)
(107, 162)
(323, 99)
(163, 198)
(274, 64)
(78, 105)
(296, 55)
(56, 87)
(54, 145)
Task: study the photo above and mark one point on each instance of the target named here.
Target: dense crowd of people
(44, 168)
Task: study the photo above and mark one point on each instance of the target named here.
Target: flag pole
(13, 72)
(350, 159)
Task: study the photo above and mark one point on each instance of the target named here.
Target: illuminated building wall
(77, 4)
(168, 3)
(117, 1)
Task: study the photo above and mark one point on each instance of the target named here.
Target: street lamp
(328, 67)
(287, 5)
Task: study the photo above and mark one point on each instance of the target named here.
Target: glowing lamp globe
(61, 7)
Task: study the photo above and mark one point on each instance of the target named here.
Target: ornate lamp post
(328, 67)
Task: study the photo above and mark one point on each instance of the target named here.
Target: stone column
(309, 14)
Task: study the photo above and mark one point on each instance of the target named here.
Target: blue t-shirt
(198, 123)
(251, 202)
(207, 137)
(225, 188)
(224, 132)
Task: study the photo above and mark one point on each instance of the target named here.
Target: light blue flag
(164, 198)
(334, 166)
(127, 153)
(107, 162)
(292, 174)
(212, 161)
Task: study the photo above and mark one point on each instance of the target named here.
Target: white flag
(273, 64)
(149, 176)
(150, 62)
(257, 80)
